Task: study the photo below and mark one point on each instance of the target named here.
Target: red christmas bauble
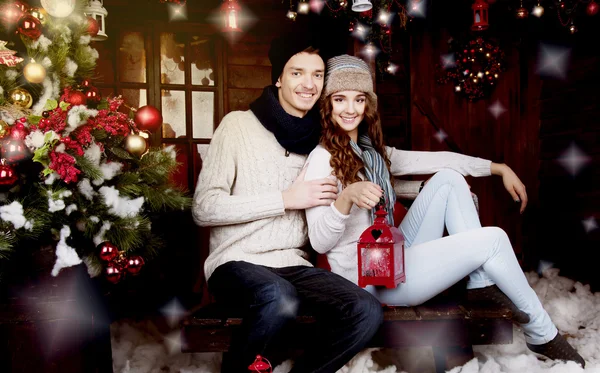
(134, 264)
(7, 175)
(85, 83)
(148, 118)
(77, 98)
(19, 131)
(107, 251)
(113, 272)
(10, 13)
(93, 27)
(592, 8)
(14, 150)
(30, 26)
(92, 94)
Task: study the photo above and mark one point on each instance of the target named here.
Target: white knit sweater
(336, 234)
(239, 195)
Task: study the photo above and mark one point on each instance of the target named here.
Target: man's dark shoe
(492, 294)
(558, 349)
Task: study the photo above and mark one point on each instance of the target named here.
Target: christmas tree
(77, 171)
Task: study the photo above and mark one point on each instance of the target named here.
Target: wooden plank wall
(476, 131)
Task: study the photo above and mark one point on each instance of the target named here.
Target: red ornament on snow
(93, 27)
(7, 174)
(113, 272)
(134, 264)
(76, 98)
(381, 253)
(148, 118)
(92, 94)
(30, 26)
(480, 15)
(261, 365)
(592, 8)
(107, 251)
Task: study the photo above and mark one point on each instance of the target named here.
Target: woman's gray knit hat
(348, 73)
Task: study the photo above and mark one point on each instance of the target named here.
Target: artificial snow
(109, 170)
(99, 237)
(42, 43)
(78, 116)
(66, 256)
(120, 206)
(86, 189)
(143, 347)
(14, 213)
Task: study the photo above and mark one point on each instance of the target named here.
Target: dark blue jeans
(269, 298)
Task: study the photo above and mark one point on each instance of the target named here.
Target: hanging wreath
(474, 68)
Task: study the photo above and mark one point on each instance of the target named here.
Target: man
(251, 190)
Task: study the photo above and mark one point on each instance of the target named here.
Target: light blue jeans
(433, 263)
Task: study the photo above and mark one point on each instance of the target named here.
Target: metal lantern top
(361, 6)
(480, 15)
(96, 10)
(231, 11)
(380, 231)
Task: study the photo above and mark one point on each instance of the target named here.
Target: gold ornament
(4, 129)
(34, 72)
(136, 145)
(21, 97)
(40, 14)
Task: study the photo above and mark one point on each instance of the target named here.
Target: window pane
(203, 114)
(173, 111)
(172, 60)
(105, 70)
(132, 58)
(135, 97)
(203, 61)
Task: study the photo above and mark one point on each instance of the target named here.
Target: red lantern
(261, 365)
(381, 253)
(480, 15)
(231, 11)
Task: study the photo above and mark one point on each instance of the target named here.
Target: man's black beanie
(285, 47)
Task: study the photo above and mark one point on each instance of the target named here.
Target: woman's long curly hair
(344, 161)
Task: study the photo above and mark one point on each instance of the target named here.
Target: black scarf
(296, 135)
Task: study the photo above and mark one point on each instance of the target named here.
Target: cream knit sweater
(336, 234)
(239, 195)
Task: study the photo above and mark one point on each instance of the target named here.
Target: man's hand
(306, 194)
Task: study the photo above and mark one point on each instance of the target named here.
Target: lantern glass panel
(375, 261)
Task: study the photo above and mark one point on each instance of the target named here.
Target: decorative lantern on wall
(230, 10)
(480, 15)
(96, 10)
(381, 253)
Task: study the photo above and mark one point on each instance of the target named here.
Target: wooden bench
(450, 328)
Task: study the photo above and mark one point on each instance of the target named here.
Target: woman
(352, 151)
